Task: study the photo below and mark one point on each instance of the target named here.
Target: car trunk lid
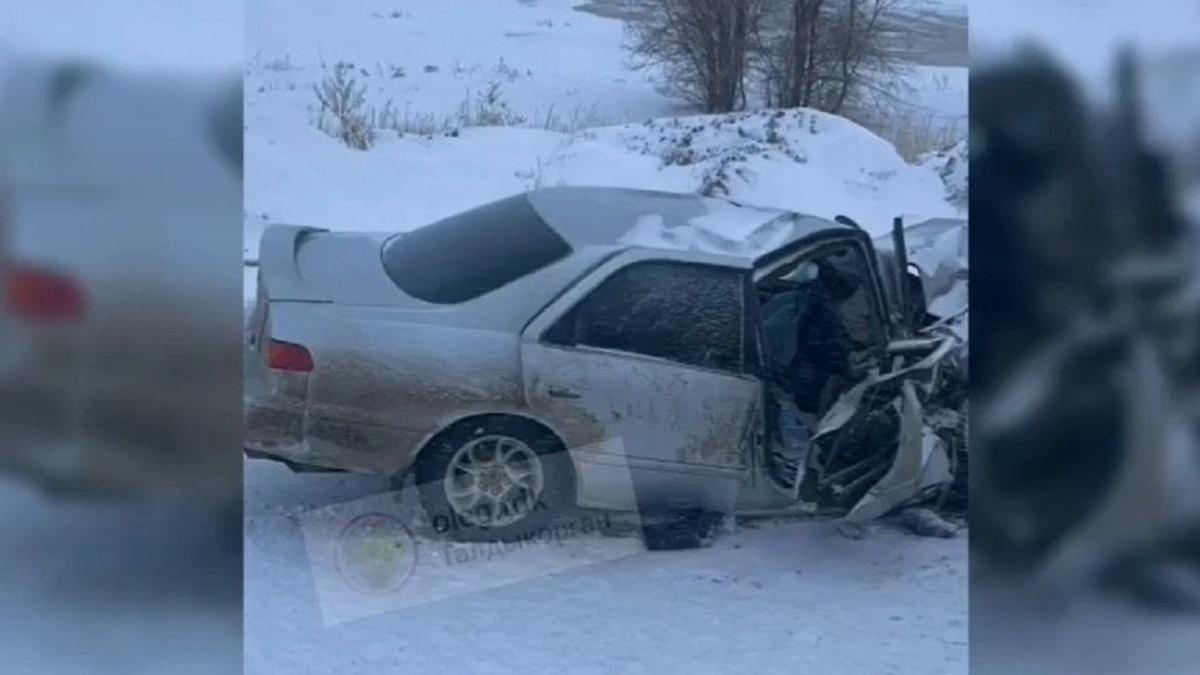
(308, 264)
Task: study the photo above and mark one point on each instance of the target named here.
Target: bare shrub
(506, 71)
(832, 55)
(535, 176)
(420, 124)
(385, 117)
(343, 112)
(279, 65)
(703, 47)
(488, 109)
(390, 70)
(915, 136)
(913, 132)
(580, 118)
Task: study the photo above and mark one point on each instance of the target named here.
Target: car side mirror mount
(900, 249)
(916, 308)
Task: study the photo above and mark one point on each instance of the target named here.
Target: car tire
(439, 467)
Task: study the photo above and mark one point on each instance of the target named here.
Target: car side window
(687, 313)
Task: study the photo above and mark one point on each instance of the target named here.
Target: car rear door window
(472, 253)
(687, 313)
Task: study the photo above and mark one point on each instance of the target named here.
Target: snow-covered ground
(782, 596)
(427, 56)
(1074, 635)
(115, 587)
(772, 597)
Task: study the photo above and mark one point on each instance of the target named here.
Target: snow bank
(800, 160)
(797, 159)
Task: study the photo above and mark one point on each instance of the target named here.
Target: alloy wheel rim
(493, 481)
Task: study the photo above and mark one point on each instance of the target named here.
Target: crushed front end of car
(898, 437)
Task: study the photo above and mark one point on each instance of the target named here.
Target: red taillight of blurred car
(287, 356)
(40, 295)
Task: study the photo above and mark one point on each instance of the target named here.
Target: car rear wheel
(495, 478)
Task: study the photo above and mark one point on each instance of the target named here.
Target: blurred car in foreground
(120, 195)
(1088, 354)
(601, 347)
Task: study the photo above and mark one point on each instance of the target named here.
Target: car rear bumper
(94, 447)
(281, 429)
(79, 417)
(64, 464)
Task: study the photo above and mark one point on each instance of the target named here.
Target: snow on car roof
(604, 216)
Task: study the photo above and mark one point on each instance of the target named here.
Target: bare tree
(829, 54)
(794, 54)
(703, 47)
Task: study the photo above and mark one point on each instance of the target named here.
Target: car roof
(723, 230)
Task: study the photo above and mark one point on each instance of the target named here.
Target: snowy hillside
(802, 160)
(575, 114)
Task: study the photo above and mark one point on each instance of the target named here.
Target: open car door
(852, 375)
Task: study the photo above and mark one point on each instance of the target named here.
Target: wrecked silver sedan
(604, 348)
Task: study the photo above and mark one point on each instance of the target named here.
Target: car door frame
(763, 494)
(807, 246)
(583, 453)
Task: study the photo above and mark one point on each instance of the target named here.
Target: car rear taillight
(40, 295)
(287, 356)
